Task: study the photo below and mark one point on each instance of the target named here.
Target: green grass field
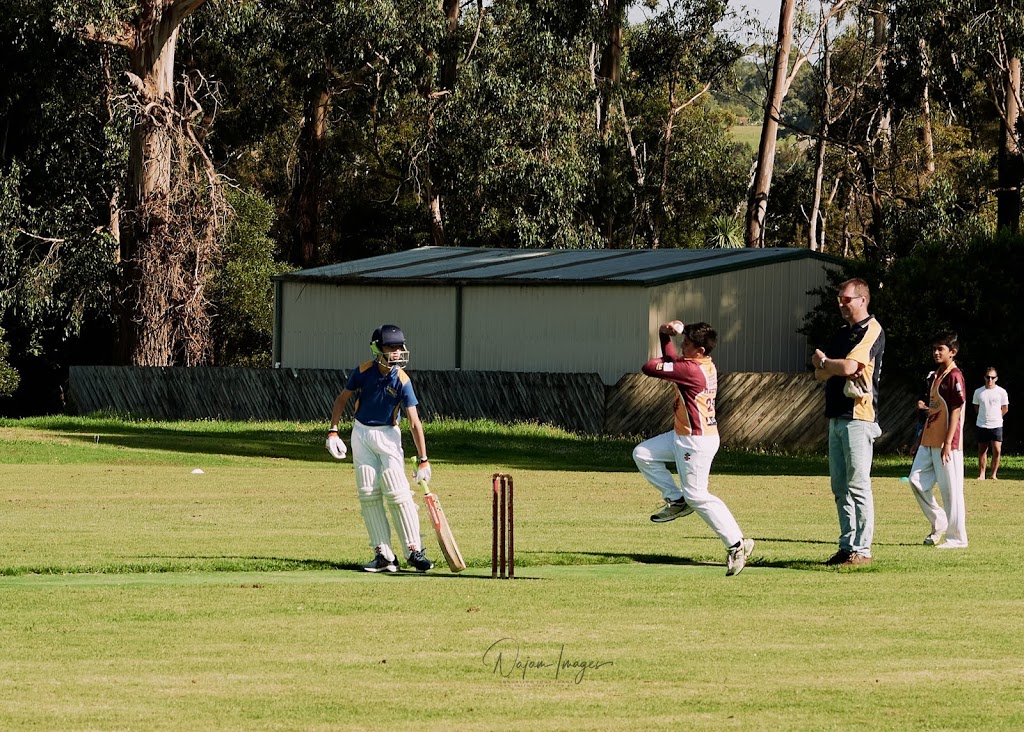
(747, 135)
(137, 595)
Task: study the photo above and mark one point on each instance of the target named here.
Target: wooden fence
(754, 410)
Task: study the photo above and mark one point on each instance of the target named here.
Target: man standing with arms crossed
(850, 367)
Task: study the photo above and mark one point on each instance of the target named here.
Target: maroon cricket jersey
(946, 393)
(696, 383)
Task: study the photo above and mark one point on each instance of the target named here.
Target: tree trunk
(448, 75)
(815, 242)
(146, 323)
(1011, 162)
(114, 198)
(437, 235)
(305, 206)
(450, 66)
(880, 44)
(881, 147)
(874, 234)
(927, 141)
(155, 286)
(816, 237)
(609, 74)
(659, 213)
(757, 205)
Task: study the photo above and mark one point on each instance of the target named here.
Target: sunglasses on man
(847, 299)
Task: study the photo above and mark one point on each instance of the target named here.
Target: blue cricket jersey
(380, 397)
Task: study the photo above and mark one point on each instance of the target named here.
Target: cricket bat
(445, 538)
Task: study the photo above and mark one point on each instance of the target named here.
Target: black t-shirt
(863, 342)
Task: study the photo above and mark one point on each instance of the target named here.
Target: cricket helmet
(389, 335)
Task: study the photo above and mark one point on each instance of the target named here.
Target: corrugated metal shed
(467, 265)
(566, 311)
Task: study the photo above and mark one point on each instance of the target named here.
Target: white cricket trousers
(693, 457)
(380, 478)
(929, 470)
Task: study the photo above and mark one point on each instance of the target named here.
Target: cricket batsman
(382, 388)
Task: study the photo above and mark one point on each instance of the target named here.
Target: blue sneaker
(418, 560)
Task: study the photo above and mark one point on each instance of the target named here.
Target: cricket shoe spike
(380, 563)
(418, 560)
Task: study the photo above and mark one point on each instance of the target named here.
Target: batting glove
(335, 445)
(422, 472)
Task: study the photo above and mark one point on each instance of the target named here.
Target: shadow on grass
(226, 564)
(805, 565)
(525, 452)
(463, 447)
(307, 447)
(813, 565)
(459, 443)
(624, 558)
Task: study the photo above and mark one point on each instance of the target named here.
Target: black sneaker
(840, 557)
(380, 563)
(418, 560)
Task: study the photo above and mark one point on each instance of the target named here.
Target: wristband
(333, 429)
(422, 460)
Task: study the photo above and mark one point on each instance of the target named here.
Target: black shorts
(990, 434)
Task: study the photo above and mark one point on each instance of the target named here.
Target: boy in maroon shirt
(693, 442)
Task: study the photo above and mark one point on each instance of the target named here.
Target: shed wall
(329, 327)
(756, 312)
(589, 328)
(564, 329)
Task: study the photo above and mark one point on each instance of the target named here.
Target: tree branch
(47, 239)
(805, 55)
(476, 36)
(691, 100)
(181, 9)
(123, 36)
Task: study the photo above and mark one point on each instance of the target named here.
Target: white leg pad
(366, 480)
(404, 511)
(371, 504)
(376, 521)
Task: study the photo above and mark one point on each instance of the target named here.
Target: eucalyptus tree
(953, 79)
(675, 59)
(9, 377)
(62, 147)
(795, 46)
(519, 147)
(173, 201)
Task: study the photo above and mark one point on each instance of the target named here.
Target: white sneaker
(380, 563)
(933, 538)
(737, 558)
(952, 545)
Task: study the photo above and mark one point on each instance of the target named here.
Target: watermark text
(506, 658)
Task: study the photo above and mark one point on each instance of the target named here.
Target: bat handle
(423, 484)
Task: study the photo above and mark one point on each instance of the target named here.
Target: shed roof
(472, 265)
